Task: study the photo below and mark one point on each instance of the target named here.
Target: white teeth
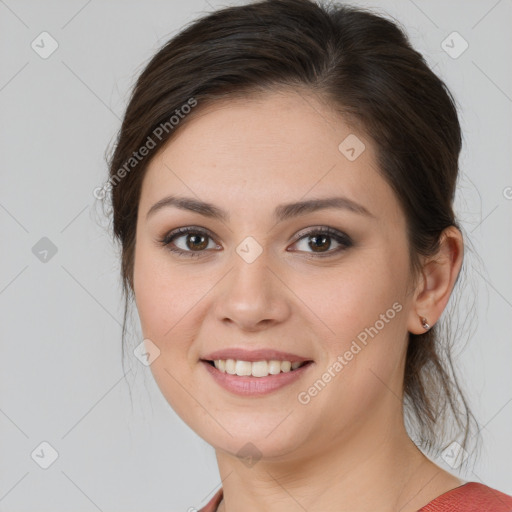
(230, 366)
(243, 368)
(256, 368)
(286, 366)
(274, 367)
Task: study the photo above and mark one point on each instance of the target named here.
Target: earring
(424, 323)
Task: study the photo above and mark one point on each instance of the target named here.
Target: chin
(250, 450)
(254, 439)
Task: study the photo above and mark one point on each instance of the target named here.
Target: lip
(243, 354)
(255, 386)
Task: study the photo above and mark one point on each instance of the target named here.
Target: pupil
(315, 245)
(203, 245)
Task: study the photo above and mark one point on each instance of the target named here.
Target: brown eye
(196, 242)
(320, 241)
(188, 241)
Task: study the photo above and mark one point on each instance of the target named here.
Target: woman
(282, 189)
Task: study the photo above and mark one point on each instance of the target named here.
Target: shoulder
(470, 497)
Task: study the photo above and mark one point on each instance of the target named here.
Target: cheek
(352, 297)
(365, 313)
(171, 305)
(162, 304)
(155, 292)
(363, 305)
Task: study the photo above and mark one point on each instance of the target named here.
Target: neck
(380, 470)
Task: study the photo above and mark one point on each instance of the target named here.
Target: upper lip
(242, 354)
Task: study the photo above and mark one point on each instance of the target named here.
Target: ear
(438, 277)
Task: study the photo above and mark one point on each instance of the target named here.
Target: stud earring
(424, 323)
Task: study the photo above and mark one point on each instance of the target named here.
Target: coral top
(469, 497)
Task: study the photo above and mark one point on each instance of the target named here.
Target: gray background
(60, 370)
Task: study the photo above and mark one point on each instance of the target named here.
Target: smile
(255, 368)
(255, 378)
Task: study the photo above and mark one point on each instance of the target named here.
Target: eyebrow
(282, 212)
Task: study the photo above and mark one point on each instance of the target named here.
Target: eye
(195, 241)
(319, 240)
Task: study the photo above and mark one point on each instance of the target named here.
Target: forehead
(268, 149)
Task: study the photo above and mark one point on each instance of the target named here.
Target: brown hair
(362, 65)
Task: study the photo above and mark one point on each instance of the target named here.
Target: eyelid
(184, 231)
(327, 230)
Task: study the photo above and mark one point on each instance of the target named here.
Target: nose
(253, 296)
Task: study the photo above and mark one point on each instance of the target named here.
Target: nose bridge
(252, 295)
(251, 267)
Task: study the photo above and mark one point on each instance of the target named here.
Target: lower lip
(255, 386)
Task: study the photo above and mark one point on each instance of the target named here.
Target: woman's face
(265, 277)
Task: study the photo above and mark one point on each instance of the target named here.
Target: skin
(347, 449)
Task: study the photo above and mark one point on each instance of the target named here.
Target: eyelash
(344, 240)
